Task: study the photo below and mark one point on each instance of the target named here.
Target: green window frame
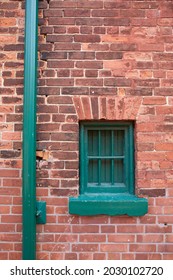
(106, 157)
(107, 184)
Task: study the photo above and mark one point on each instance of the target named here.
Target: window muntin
(106, 157)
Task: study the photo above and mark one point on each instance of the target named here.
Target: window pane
(106, 171)
(93, 171)
(92, 143)
(105, 143)
(119, 142)
(118, 171)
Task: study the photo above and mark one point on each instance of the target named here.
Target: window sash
(103, 183)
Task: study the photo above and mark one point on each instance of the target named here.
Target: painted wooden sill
(118, 204)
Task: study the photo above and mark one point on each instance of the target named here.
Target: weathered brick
(108, 55)
(89, 82)
(116, 22)
(87, 38)
(89, 64)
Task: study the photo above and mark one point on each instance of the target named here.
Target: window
(106, 163)
(107, 171)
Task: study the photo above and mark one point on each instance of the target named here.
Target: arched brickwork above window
(107, 108)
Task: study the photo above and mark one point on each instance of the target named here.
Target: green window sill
(118, 204)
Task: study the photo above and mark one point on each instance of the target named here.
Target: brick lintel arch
(107, 108)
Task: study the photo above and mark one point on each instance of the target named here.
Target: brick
(70, 256)
(7, 228)
(84, 248)
(153, 192)
(60, 82)
(87, 107)
(91, 73)
(9, 173)
(130, 229)
(73, 29)
(166, 10)
(116, 22)
(103, 91)
(11, 136)
(94, 106)
(165, 248)
(99, 256)
(167, 256)
(147, 83)
(8, 39)
(89, 82)
(60, 64)
(113, 256)
(63, 73)
(154, 100)
(66, 109)
(142, 248)
(95, 47)
(89, 64)
(48, 90)
(66, 4)
(117, 82)
(90, 4)
(4, 255)
(139, 13)
(164, 146)
(93, 238)
(85, 229)
(127, 257)
(89, 22)
(77, 73)
(79, 107)
(57, 248)
(108, 55)
(163, 91)
(113, 247)
(53, 55)
(87, 38)
(121, 238)
(81, 55)
(61, 21)
(4, 210)
(77, 13)
(59, 100)
(105, 13)
(99, 30)
(123, 47)
(116, 5)
(9, 154)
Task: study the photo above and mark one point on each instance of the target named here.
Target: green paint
(120, 204)
(40, 212)
(29, 130)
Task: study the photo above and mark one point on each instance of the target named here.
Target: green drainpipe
(29, 130)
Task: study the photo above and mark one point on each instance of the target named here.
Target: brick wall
(97, 60)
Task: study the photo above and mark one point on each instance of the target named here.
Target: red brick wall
(97, 60)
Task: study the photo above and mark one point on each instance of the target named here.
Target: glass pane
(106, 171)
(92, 143)
(105, 143)
(119, 142)
(93, 171)
(118, 171)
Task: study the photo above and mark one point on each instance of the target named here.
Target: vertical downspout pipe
(29, 130)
